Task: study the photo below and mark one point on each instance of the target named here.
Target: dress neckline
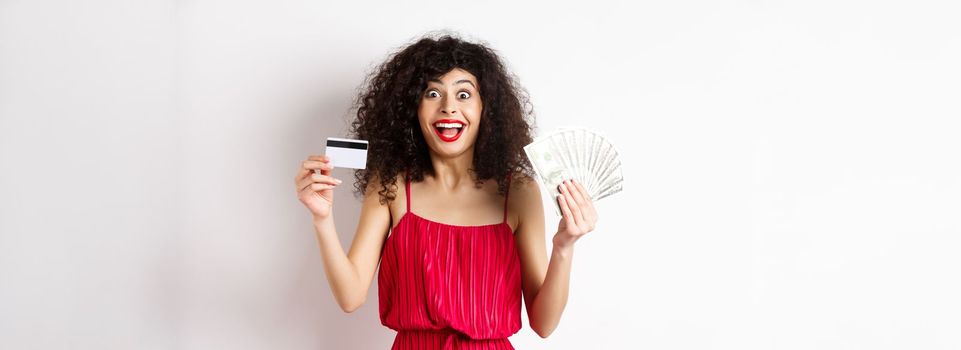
(410, 213)
(502, 223)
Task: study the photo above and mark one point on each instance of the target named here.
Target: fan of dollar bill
(579, 154)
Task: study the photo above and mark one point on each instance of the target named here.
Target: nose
(448, 106)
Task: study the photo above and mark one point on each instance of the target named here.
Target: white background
(793, 175)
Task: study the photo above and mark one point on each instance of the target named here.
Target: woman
(464, 239)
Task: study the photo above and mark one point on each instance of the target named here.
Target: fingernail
(338, 180)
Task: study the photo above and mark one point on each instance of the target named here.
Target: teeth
(449, 125)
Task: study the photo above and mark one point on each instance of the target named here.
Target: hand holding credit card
(347, 153)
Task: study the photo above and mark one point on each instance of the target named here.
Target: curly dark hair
(387, 114)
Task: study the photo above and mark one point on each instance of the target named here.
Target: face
(450, 112)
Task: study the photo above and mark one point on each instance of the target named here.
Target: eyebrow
(435, 80)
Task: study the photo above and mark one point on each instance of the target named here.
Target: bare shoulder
(375, 216)
(525, 199)
(371, 201)
(395, 207)
(523, 185)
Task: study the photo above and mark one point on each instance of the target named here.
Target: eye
(463, 94)
(433, 93)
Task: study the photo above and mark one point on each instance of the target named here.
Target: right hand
(316, 191)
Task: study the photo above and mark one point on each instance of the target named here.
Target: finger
(571, 203)
(565, 211)
(308, 192)
(304, 183)
(320, 187)
(317, 158)
(316, 164)
(575, 193)
(582, 190)
(302, 172)
(588, 207)
(306, 168)
(317, 167)
(307, 181)
(319, 178)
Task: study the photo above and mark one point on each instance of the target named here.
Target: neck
(450, 172)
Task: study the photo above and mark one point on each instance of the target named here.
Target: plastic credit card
(347, 153)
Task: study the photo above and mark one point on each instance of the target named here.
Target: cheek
(421, 110)
(477, 112)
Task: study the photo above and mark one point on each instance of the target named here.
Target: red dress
(445, 286)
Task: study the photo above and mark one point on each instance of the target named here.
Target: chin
(453, 149)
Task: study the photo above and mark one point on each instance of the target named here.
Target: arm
(350, 275)
(546, 285)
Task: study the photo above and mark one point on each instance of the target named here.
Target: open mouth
(449, 130)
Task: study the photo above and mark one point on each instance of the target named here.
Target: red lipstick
(445, 124)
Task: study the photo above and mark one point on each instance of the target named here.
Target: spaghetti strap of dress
(507, 193)
(407, 190)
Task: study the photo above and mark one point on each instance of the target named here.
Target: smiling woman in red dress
(465, 238)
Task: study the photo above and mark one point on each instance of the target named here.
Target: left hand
(578, 214)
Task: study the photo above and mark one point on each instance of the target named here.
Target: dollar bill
(545, 157)
(578, 154)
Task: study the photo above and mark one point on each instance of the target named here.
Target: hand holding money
(579, 154)
(578, 214)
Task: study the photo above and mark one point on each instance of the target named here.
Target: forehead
(454, 76)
